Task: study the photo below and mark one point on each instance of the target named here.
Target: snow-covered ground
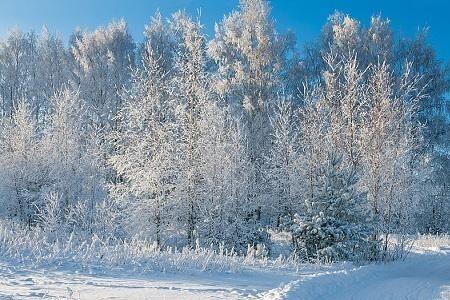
(424, 274)
(23, 283)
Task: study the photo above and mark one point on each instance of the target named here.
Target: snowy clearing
(423, 275)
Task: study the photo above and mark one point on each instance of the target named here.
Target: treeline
(185, 140)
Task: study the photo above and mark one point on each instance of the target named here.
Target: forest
(188, 141)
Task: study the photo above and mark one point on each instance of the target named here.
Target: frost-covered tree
(217, 142)
(181, 157)
(159, 43)
(33, 68)
(225, 213)
(73, 169)
(58, 161)
(18, 70)
(250, 56)
(314, 137)
(346, 38)
(344, 101)
(335, 224)
(391, 163)
(105, 58)
(53, 72)
(146, 150)
(332, 115)
(23, 173)
(368, 116)
(191, 88)
(283, 167)
(432, 112)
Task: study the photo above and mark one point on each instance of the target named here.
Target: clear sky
(305, 17)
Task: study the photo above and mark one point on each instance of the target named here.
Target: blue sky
(304, 17)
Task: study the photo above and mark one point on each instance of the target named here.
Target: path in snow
(421, 276)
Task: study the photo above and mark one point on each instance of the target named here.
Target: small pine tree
(334, 225)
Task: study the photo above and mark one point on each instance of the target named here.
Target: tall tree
(18, 69)
(53, 72)
(105, 58)
(250, 55)
(145, 143)
(191, 90)
(283, 167)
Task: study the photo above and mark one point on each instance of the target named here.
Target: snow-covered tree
(18, 70)
(53, 72)
(368, 116)
(105, 58)
(159, 43)
(283, 167)
(191, 91)
(144, 160)
(74, 174)
(218, 142)
(250, 55)
(335, 224)
(390, 161)
(314, 138)
(23, 173)
(432, 113)
(225, 213)
(344, 101)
